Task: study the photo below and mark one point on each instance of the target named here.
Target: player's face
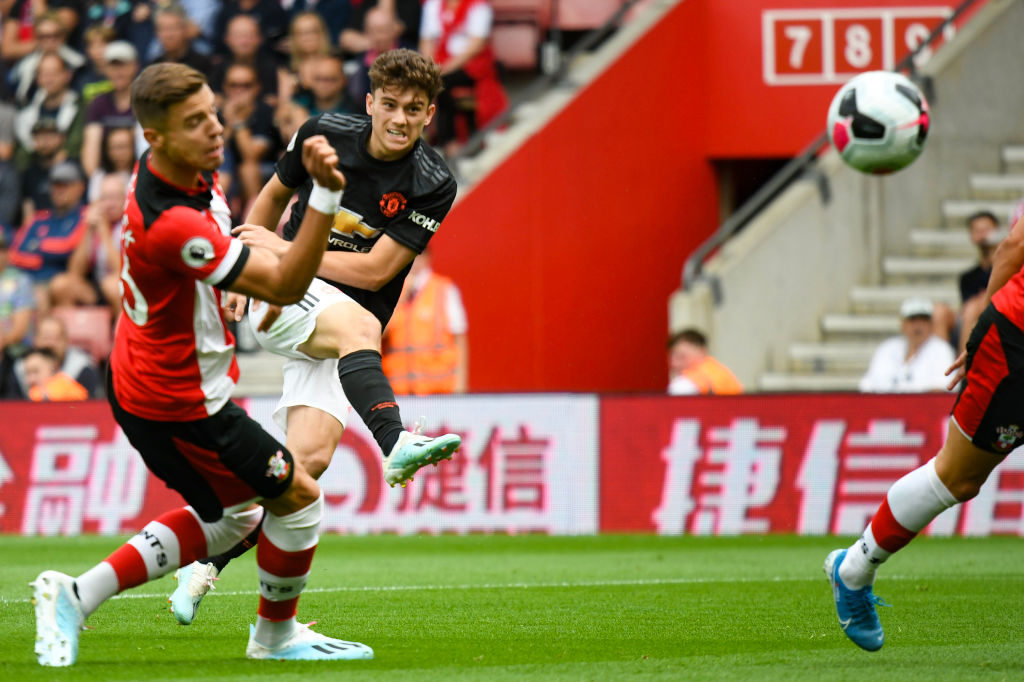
(193, 137)
(399, 117)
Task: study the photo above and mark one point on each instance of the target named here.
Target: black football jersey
(405, 199)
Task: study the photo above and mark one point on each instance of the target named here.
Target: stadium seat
(537, 12)
(515, 45)
(88, 328)
(584, 15)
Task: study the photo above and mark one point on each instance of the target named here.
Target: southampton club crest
(1008, 437)
(278, 467)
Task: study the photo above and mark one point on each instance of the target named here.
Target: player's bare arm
(283, 280)
(368, 271)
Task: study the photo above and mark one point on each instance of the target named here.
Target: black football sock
(362, 378)
(248, 542)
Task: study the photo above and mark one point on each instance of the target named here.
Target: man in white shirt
(913, 362)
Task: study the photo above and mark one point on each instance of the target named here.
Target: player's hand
(270, 314)
(959, 367)
(321, 162)
(234, 306)
(259, 236)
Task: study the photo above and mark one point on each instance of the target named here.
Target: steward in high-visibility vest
(711, 377)
(420, 352)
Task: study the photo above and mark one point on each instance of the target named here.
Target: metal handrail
(545, 81)
(692, 268)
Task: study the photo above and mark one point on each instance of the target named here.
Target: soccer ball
(878, 122)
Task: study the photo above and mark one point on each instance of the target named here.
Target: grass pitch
(542, 608)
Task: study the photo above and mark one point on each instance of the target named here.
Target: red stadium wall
(567, 253)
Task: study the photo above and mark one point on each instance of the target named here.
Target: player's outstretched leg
(59, 618)
(405, 452)
(855, 608)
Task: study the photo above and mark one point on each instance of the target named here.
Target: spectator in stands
(913, 362)
(307, 38)
(48, 151)
(45, 381)
(17, 310)
(172, 31)
(52, 335)
(51, 39)
(383, 31)
(456, 35)
(119, 154)
(17, 35)
(425, 348)
(328, 92)
(985, 235)
(692, 370)
(93, 273)
(113, 15)
(202, 16)
(244, 41)
(42, 248)
(91, 80)
(354, 40)
(269, 14)
(249, 131)
(336, 14)
(10, 178)
(54, 99)
(111, 109)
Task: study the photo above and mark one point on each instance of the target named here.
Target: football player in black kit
(398, 190)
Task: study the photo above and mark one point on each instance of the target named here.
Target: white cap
(120, 51)
(916, 307)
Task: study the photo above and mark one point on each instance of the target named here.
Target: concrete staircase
(931, 269)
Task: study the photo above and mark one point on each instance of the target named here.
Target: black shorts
(990, 407)
(220, 461)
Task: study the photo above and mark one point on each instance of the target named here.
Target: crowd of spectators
(68, 139)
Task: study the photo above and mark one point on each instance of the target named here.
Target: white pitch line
(640, 582)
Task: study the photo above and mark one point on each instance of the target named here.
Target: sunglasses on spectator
(48, 36)
(239, 84)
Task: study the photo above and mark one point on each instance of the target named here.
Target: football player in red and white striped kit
(986, 425)
(172, 371)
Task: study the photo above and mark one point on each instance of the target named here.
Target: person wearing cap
(48, 142)
(913, 362)
(111, 109)
(42, 248)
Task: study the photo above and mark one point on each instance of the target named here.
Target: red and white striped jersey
(173, 357)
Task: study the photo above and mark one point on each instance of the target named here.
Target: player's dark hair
(406, 69)
(982, 214)
(689, 335)
(161, 86)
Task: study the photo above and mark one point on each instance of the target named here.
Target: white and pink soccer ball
(878, 122)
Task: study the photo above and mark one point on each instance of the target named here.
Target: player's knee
(964, 489)
(302, 492)
(316, 459)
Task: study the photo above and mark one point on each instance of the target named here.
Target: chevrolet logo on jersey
(349, 225)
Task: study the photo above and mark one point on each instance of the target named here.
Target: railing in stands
(801, 165)
(555, 70)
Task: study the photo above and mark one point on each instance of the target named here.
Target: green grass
(530, 607)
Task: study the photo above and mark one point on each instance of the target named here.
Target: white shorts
(307, 380)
